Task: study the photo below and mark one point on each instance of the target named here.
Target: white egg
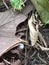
(21, 46)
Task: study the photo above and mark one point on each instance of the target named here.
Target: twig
(21, 30)
(43, 48)
(25, 55)
(42, 59)
(6, 62)
(42, 39)
(5, 4)
(33, 54)
(47, 54)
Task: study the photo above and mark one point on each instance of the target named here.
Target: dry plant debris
(31, 47)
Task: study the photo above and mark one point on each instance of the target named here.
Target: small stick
(25, 55)
(42, 59)
(42, 39)
(5, 4)
(33, 54)
(43, 48)
(21, 30)
(47, 54)
(6, 62)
